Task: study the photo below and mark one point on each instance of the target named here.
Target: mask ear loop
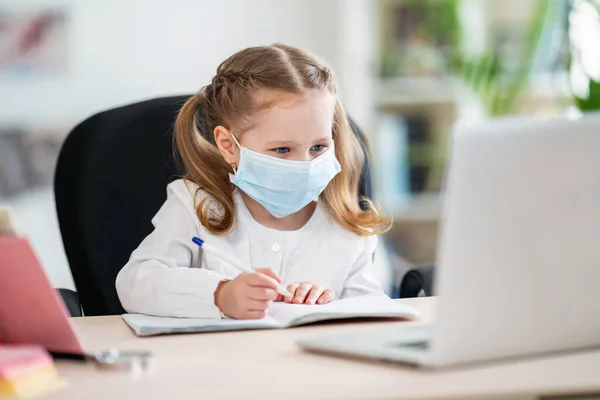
(235, 140)
(234, 165)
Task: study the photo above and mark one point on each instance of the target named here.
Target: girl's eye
(282, 150)
(318, 147)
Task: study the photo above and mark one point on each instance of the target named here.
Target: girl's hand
(309, 293)
(249, 295)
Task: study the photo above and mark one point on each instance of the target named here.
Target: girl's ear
(228, 148)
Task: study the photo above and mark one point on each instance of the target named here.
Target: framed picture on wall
(33, 43)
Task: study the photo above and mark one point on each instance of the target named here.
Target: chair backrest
(110, 181)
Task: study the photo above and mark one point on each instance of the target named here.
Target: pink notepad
(31, 311)
(27, 371)
(19, 360)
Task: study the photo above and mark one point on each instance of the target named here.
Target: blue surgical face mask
(283, 187)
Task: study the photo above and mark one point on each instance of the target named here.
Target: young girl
(271, 177)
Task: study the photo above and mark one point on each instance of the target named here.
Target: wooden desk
(267, 364)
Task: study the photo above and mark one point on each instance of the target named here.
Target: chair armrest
(71, 300)
(418, 281)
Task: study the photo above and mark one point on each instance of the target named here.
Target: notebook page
(356, 307)
(146, 325)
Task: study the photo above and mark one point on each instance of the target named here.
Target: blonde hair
(231, 98)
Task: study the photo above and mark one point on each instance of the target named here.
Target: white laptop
(518, 269)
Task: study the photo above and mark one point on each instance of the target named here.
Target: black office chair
(110, 181)
(418, 282)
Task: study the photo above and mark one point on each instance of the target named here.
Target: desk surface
(267, 364)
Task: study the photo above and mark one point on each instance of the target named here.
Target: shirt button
(275, 247)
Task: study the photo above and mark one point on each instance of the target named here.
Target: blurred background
(408, 71)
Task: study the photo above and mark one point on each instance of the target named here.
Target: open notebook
(281, 315)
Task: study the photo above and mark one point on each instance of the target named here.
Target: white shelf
(411, 91)
(423, 91)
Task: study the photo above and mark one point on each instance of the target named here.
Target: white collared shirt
(168, 274)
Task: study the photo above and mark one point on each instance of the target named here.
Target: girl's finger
(301, 292)
(326, 297)
(292, 289)
(314, 294)
(269, 272)
(261, 293)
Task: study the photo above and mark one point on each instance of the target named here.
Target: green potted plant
(584, 65)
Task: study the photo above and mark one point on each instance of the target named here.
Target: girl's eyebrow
(326, 139)
(276, 143)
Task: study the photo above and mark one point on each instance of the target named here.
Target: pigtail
(204, 165)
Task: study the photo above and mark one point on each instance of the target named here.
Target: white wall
(128, 50)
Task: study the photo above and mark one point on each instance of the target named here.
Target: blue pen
(234, 261)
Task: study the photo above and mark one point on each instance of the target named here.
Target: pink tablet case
(31, 311)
